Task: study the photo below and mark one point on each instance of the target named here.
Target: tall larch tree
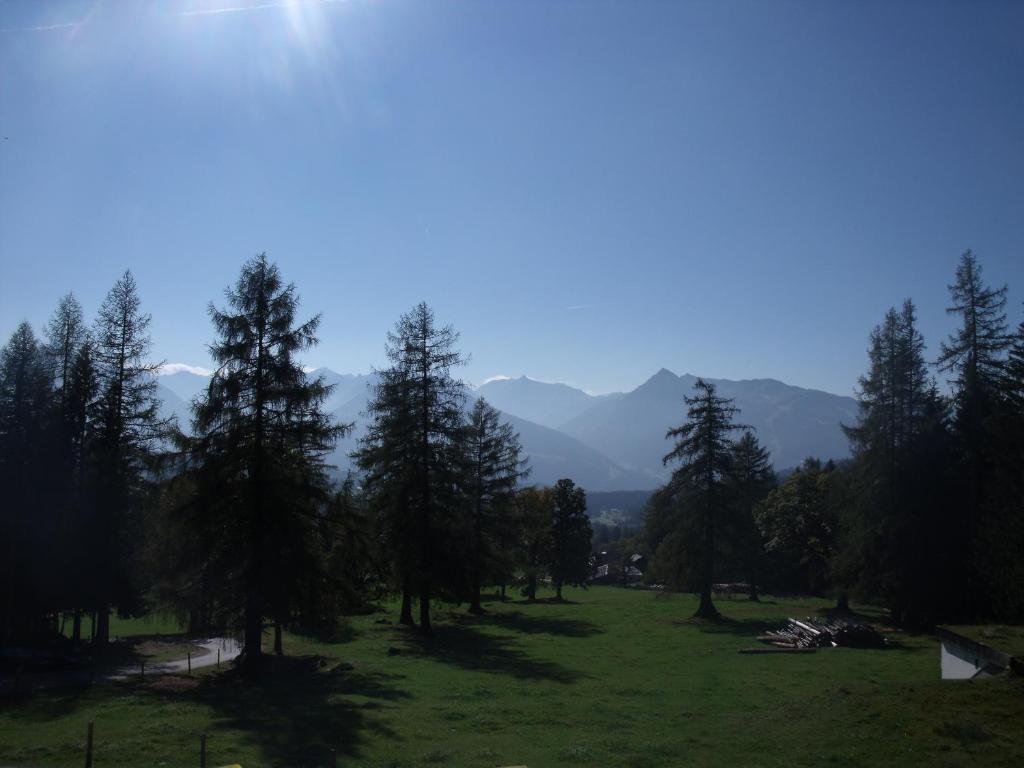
(974, 356)
(257, 460)
(420, 418)
(704, 450)
(899, 435)
(25, 411)
(126, 431)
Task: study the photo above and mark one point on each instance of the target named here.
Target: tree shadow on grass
(468, 648)
(525, 623)
(297, 713)
(726, 626)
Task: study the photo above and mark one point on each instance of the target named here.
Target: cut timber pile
(808, 633)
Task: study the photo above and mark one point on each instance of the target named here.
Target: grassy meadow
(612, 677)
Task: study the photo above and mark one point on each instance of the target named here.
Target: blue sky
(588, 191)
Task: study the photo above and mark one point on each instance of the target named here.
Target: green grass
(154, 624)
(612, 678)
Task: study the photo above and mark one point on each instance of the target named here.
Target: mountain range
(604, 442)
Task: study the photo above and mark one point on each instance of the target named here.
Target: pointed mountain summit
(792, 422)
(550, 405)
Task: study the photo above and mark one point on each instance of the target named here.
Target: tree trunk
(503, 593)
(406, 615)
(425, 628)
(558, 590)
(843, 602)
(753, 590)
(531, 589)
(102, 636)
(278, 646)
(706, 609)
(76, 627)
(252, 650)
(475, 606)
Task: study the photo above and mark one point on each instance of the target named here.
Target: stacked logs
(809, 633)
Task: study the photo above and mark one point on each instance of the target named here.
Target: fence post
(218, 658)
(142, 671)
(202, 751)
(190, 662)
(88, 745)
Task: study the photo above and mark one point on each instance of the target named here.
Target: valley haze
(608, 442)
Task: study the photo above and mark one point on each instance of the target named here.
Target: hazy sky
(588, 191)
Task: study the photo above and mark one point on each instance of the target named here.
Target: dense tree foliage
(494, 468)
(256, 463)
(703, 447)
(571, 536)
(237, 521)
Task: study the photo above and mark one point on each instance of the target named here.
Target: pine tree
(975, 356)
(66, 335)
(385, 457)
(81, 392)
(125, 432)
(571, 536)
(493, 470)
(25, 408)
(1003, 533)
(258, 458)
(899, 432)
(704, 448)
(419, 420)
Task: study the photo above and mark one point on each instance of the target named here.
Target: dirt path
(228, 647)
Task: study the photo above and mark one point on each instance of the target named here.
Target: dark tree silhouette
(975, 355)
(257, 458)
(418, 420)
(534, 511)
(494, 468)
(571, 536)
(702, 445)
(25, 398)
(125, 432)
(751, 478)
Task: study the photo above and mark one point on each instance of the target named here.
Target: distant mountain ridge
(604, 442)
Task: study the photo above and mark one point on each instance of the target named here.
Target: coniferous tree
(82, 389)
(66, 334)
(704, 448)
(125, 432)
(494, 468)
(571, 536)
(894, 530)
(419, 419)
(257, 459)
(1003, 532)
(25, 411)
(385, 457)
(975, 355)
